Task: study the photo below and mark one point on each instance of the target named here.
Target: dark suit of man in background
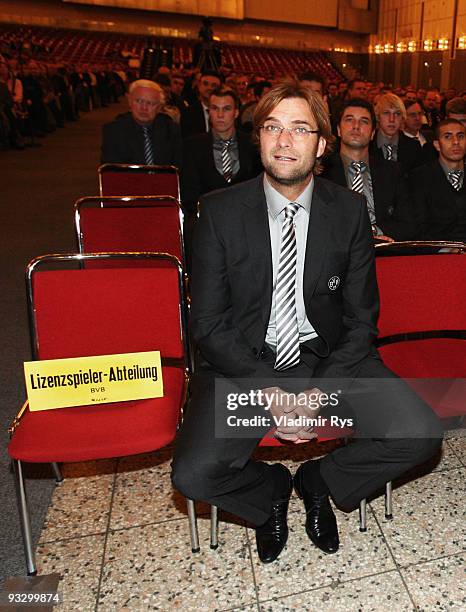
(284, 289)
(439, 189)
(144, 135)
(195, 118)
(390, 211)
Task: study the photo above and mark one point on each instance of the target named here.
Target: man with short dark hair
(195, 119)
(432, 102)
(456, 109)
(380, 181)
(356, 89)
(145, 135)
(284, 301)
(439, 189)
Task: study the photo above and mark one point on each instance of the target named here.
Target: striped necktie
(286, 320)
(456, 179)
(358, 168)
(227, 166)
(148, 151)
(388, 148)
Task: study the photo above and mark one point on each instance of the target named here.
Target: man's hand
(306, 406)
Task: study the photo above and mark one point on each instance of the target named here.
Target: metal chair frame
(135, 168)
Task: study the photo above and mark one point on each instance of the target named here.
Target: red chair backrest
(108, 310)
(150, 224)
(123, 179)
(421, 293)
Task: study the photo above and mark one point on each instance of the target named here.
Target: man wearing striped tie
(439, 188)
(284, 308)
(145, 135)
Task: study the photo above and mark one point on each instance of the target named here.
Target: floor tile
(428, 517)
(302, 566)
(438, 585)
(152, 567)
(447, 458)
(372, 594)
(144, 492)
(80, 505)
(458, 446)
(78, 562)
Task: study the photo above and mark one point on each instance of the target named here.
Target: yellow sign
(80, 381)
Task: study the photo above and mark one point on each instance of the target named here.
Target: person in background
(195, 119)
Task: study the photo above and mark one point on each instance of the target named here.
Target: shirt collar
(276, 202)
(218, 140)
(347, 160)
(384, 140)
(446, 169)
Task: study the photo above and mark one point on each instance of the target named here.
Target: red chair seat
(79, 434)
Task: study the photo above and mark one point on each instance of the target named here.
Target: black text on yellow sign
(80, 381)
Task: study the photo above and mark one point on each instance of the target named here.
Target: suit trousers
(394, 431)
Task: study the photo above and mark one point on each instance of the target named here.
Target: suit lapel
(317, 238)
(256, 223)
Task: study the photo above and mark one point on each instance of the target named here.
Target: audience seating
(142, 223)
(81, 312)
(137, 180)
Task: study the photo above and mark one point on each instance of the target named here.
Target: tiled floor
(118, 535)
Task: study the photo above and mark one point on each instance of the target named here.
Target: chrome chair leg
(58, 475)
(388, 501)
(213, 527)
(193, 532)
(24, 519)
(363, 515)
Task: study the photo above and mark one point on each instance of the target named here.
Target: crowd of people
(385, 139)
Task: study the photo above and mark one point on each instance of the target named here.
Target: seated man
(220, 158)
(380, 181)
(145, 135)
(389, 141)
(195, 118)
(438, 188)
(284, 294)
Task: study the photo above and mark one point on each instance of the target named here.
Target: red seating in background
(137, 180)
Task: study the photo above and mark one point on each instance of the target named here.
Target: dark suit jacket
(232, 280)
(442, 209)
(123, 141)
(409, 152)
(199, 175)
(394, 213)
(192, 120)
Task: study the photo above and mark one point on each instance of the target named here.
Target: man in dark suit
(439, 189)
(219, 158)
(195, 119)
(380, 181)
(389, 141)
(144, 135)
(284, 295)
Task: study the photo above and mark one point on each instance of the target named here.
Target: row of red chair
(104, 305)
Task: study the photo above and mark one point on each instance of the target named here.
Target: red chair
(133, 179)
(82, 312)
(143, 223)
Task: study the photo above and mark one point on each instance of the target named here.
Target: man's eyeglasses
(148, 102)
(297, 133)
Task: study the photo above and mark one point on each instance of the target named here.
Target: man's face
(390, 119)
(451, 143)
(314, 86)
(432, 100)
(241, 85)
(144, 103)
(342, 87)
(410, 96)
(207, 84)
(289, 160)
(355, 128)
(413, 121)
(332, 90)
(222, 112)
(177, 85)
(358, 90)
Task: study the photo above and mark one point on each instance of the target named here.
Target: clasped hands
(286, 408)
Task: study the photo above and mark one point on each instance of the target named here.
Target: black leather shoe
(321, 523)
(271, 537)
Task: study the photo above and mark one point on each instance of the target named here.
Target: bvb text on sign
(80, 381)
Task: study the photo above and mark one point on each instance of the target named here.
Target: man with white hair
(144, 135)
